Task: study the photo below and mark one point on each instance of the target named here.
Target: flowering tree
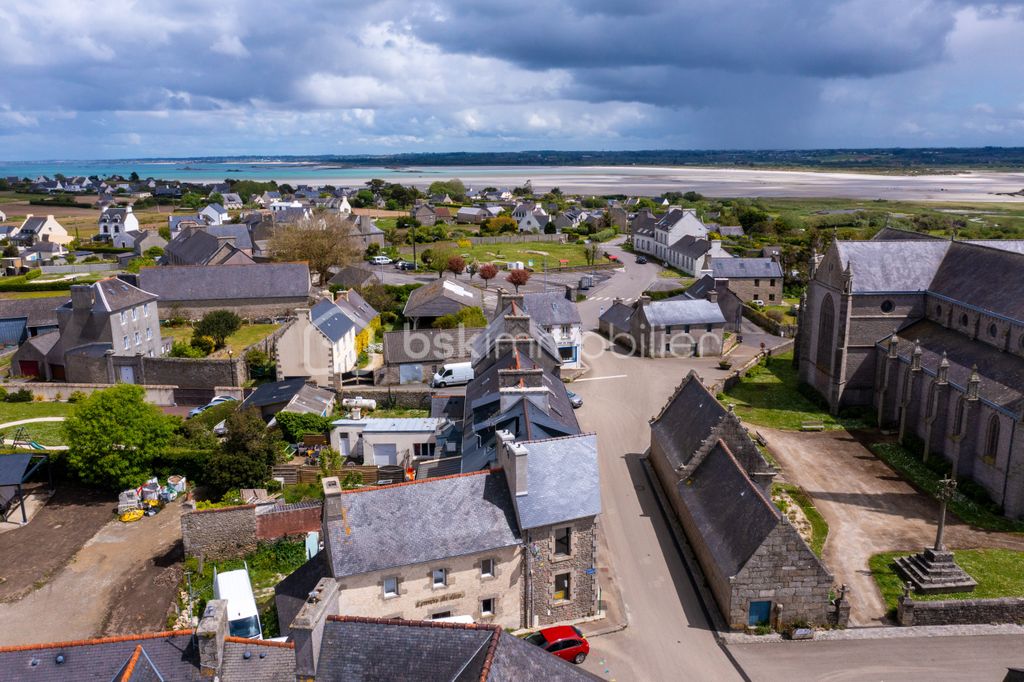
(518, 278)
(487, 272)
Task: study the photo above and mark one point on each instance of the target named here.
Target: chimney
(307, 630)
(521, 378)
(517, 325)
(512, 457)
(570, 293)
(643, 301)
(210, 634)
(83, 296)
(713, 295)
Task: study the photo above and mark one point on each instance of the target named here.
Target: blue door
(760, 613)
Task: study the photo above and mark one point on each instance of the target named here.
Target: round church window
(888, 306)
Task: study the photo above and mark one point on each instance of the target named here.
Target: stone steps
(935, 572)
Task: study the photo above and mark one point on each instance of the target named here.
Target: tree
(518, 278)
(753, 219)
(10, 251)
(378, 296)
(590, 251)
(470, 316)
(215, 198)
(134, 177)
(323, 242)
(453, 188)
(362, 199)
(487, 272)
(499, 224)
(113, 436)
(218, 325)
(456, 265)
(438, 260)
(693, 197)
(247, 453)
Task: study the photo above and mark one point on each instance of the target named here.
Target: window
(888, 306)
(993, 330)
(757, 282)
(440, 577)
(668, 329)
(668, 347)
(992, 437)
(938, 310)
(390, 587)
(145, 310)
(135, 313)
(563, 540)
(686, 329)
(562, 587)
(138, 339)
(964, 320)
(149, 333)
(566, 329)
(707, 328)
(124, 317)
(771, 297)
(771, 282)
(487, 568)
(826, 322)
(127, 343)
(487, 607)
(440, 614)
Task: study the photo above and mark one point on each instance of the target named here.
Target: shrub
(76, 396)
(218, 325)
(3, 394)
(294, 425)
(22, 395)
(180, 349)
(204, 344)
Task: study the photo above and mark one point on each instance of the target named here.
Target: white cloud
(230, 45)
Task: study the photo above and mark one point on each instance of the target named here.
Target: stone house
(728, 301)
(139, 241)
(114, 221)
(759, 569)
(674, 327)
(201, 246)
(441, 297)
(752, 279)
(557, 314)
(424, 213)
(456, 545)
(654, 240)
(232, 201)
(289, 395)
(413, 356)
(323, 343)
(950, 374)
(108, 318)
(257, 291)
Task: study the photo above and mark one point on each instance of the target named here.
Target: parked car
(575, 400)
(195, 411)
(564, 641)
(405, 265)
(380, 260)
(641, 260)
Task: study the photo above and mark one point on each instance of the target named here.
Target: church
(929, 332)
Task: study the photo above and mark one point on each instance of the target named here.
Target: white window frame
(384, 587)
(135, 314)
(127, 343)
(138, 339)
(149, 333)
(487, 568)
(145, 310)
(124, 317)
(443, 573)
(484, 611)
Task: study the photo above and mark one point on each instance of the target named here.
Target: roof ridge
(98, 640)
(421, 480)
(444, 625)
(743, 472)
(130, 667)
(547, 440)
(259, 642)
(492, 647)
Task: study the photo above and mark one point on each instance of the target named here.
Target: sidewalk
(614, 618)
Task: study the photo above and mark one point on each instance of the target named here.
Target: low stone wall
(81, 267)
(418, 399)
(960, 611)
(287, 519)
(158, 394)
(223, 533)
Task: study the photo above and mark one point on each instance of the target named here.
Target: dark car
(641, 260)
(574, 399)
(564, 641)
(405, 265)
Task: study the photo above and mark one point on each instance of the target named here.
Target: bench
(813, 425)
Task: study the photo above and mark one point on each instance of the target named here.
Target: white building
(114, 221)
(215, 214)
(388, 441)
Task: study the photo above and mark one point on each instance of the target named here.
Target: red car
(564, 641)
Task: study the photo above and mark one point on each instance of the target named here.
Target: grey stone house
(752, 279)
(412, 356)
(110, 317)
(679, 326)
(930, 334)
(441, 297)
(759, 569)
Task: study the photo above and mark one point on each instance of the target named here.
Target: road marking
(613, 376)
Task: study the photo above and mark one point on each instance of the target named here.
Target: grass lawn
(998, 572)
(57, 296)
(920, 475)
(768, 396)
(788, 317)
(46, 433)
(236, 343)
(819, 526)
(398, 413)
(527, 251)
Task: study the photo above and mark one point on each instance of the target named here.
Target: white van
(380, 260)
(243, 618)
(453, 374)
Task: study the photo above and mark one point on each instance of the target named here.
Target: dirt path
(118, 581)
(869, 509)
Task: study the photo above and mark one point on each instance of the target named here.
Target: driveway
(123, 579)
(869, 509)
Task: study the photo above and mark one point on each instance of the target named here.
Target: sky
(121, 79)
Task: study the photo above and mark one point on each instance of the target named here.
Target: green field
(541, 253)
(46, 433)
(997, 571)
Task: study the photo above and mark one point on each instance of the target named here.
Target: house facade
(114, 221)
(752, 279)
(37, 229)
(670, 328)
(557, 314)
(389, 442)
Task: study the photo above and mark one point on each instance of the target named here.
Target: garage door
(410, 374)
(385, 454)
(29, 368)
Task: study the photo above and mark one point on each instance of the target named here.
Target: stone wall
(223, 533)
(543, 565)
(192, 373)
(280, 521)
(413, 399)
(158, 395)
(960, 611)
(249, 309)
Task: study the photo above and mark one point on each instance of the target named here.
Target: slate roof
(899, 266)
(352, 276)
(113, 294)
(484, 342)
(38, 312)
(372, 650)
(274, 392)
(690, 246)
(428, 345)
(421, 521)
(32, 225)
(239, 232)
(730, 512)
(174, 220)
(677, 312)
(687, 419)
(192, 246)
(171, 655)
(970, 271)
(618, 315)
(1001, 374)
(551, 308)
(202, 282)
(331, 320)
(745, 268)
(357, 309)
(562, 481)
(441, 297)
(887, 234)
(729, 230)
